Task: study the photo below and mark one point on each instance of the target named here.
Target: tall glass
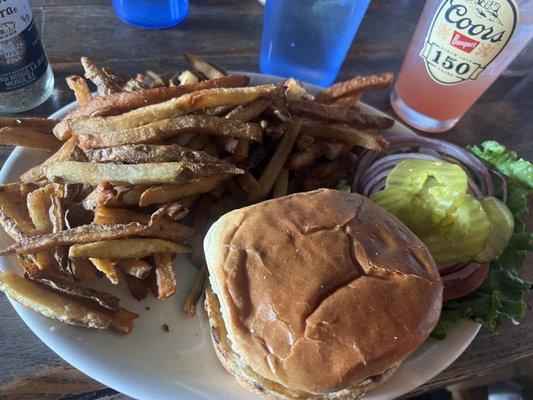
(152, 14)
(309, 39)
(458, 49)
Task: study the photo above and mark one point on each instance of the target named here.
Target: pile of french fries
(137, 174)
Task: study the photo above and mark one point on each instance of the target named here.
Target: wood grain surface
(228, 32)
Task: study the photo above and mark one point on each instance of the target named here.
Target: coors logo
(465, 36)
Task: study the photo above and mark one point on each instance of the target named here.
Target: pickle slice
(463, 237)
(393, 200)
(430, 197)
(501, 227)
(448, 182)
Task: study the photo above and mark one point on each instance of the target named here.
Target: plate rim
(75, 357)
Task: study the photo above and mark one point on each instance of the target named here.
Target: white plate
(152, 364)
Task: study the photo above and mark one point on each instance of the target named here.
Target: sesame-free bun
(317, 295)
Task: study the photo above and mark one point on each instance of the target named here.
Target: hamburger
(317, 295)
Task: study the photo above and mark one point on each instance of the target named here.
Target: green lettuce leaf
(496, 156)
(343, 186)
(501, 296)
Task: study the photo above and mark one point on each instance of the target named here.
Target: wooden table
(228, 32)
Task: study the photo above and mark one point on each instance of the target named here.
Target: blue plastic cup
(309, 39)
(151, 14)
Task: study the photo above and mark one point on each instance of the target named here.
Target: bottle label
(22, 57)
(465, 36)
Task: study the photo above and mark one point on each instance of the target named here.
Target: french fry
(13, 216)
(165, 194)
(125, 248)
(126, 196)
(211, 149)
(276, 163)
(368, 139)
(122, 320)
(348, 101)
(125, 101)
(304, 158)
(247, 112)
(164, 229)
(81, 234)
(107, 267)
(26, 137)
(361, 120)
(241, 151)
(137, 287)
(38, 203)
(30, 268)
(176, 210)
(50, 304)
(106, 80)
(281, 184)
(183, 140)
(165, 279)
(83, 270)
(280, 109)
(27, 188)
(143, 153)
(354, 86)
(80, 88)
(16, 223)
(170, 109)
(333, 149)
(63, 154)
(56, 215)
(218, 111)
(323, 112)
(196, 291)
(158, 131)
(276, 130)
(44, 125)
(186, 78)
(67, 286)
(305, 142)
(333, 113)
(229, 144)
(134, 174)
(198, 142)
(295, 91)
(104, 215)
(208, 70)
(247, 182)
(153, 79)
(100, 196)
(134, 266)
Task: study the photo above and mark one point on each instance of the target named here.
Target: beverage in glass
(308, 39)
(152, 14)
(458, 49)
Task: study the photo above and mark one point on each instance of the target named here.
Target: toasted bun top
(322, 289)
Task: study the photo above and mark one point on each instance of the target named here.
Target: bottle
(26, 78)
(309, 39)
(458, 50)
(152, 14)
